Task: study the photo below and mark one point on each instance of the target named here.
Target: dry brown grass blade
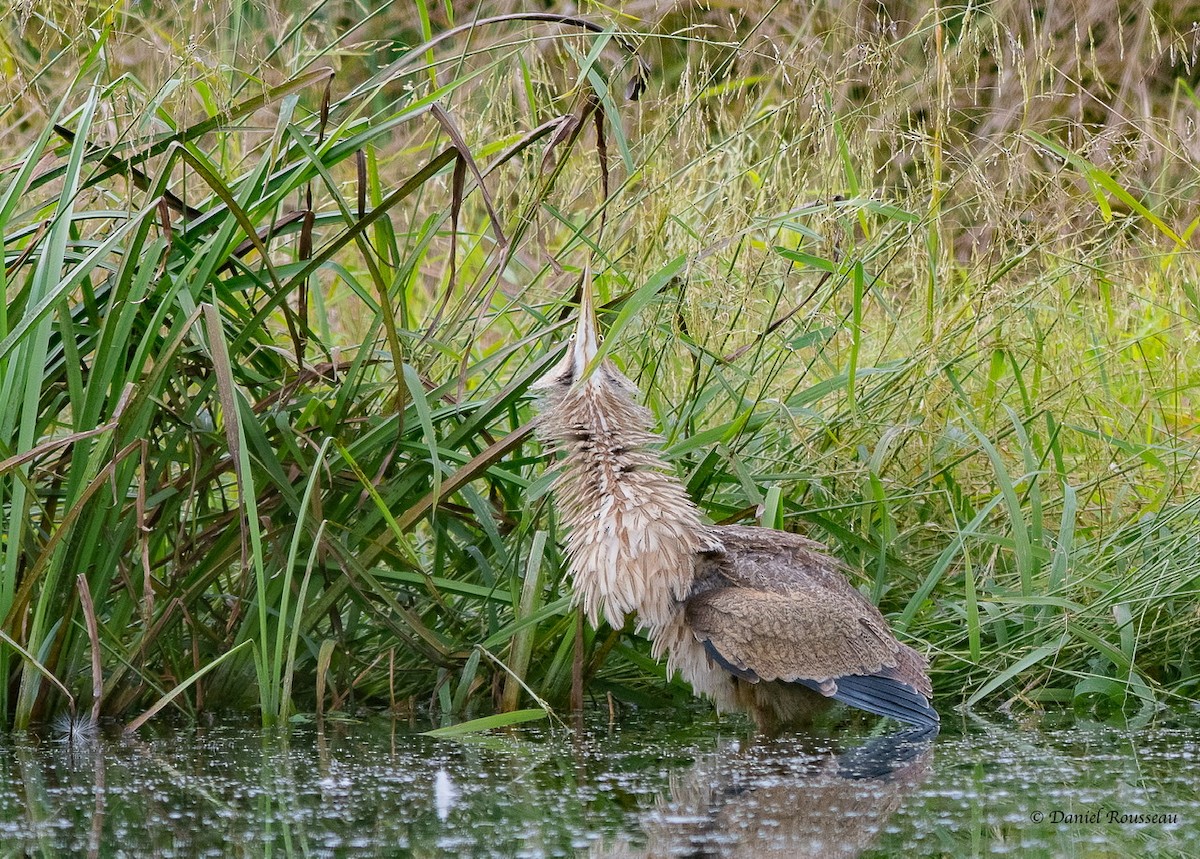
(140, 179)
(360, 169)
(34, 244)
(460, 143)
(41, 669)
(181, 688)
(469, 471)
(602, 159)
(413, 633)
(567, 131)
(54, 444)
(164, 218)
(527, 141)
(264, 235)
(637, 84)
(225, 393)
(305, 253)
(93, 631)
(126, 166)
(309, 216)
(457, 181)
(20, 603)
(324, 660)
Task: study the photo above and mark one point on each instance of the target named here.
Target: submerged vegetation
(919, 282)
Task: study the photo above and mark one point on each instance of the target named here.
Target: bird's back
(776, 611)
(769, 560)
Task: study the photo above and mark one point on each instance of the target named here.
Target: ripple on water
(654, 786)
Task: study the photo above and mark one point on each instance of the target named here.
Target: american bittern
(758, 620)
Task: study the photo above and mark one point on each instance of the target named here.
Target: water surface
(650, 785)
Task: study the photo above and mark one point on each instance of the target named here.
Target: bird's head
(577, 367)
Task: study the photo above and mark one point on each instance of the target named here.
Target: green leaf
(636, 303)
(487, 723)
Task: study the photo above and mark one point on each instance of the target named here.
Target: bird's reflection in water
(785, 797)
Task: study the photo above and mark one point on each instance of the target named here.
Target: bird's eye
(572, 337)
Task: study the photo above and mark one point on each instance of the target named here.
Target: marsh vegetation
(918, 280)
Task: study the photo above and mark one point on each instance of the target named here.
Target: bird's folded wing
(797, 635)
(834, 647)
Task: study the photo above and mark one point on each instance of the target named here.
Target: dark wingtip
(883, 696)
(715, 656)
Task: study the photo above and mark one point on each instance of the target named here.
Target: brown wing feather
(802, 635)
(773, 603)
(775, 560)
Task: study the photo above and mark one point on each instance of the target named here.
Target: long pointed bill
(582, 347)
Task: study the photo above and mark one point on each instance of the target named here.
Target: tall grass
(921, 285)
